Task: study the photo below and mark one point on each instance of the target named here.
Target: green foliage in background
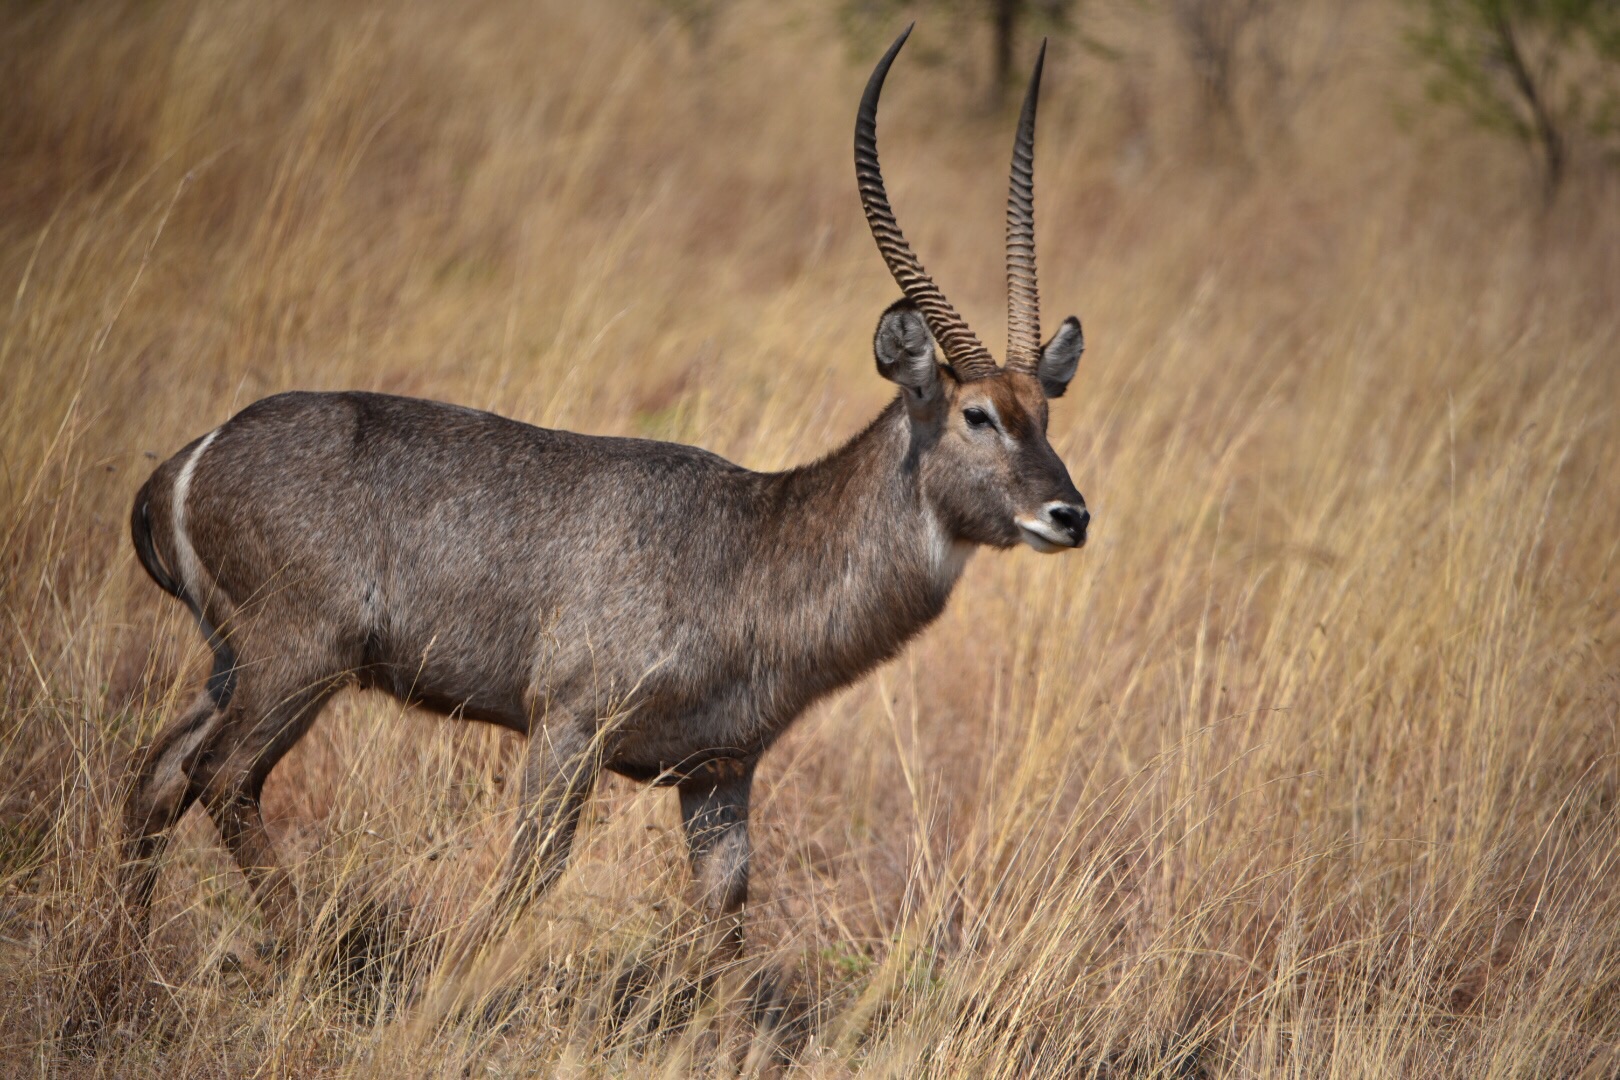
(1544, 72)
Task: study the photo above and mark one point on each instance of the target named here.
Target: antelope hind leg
(266, 718)
(164, 788)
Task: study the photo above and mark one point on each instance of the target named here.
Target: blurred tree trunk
(1544, 129)
(1004, 15)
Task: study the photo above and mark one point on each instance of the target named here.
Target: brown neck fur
(861, 561)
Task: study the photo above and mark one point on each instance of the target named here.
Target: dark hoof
(782, 1014)
(367, 952)
(650, 999)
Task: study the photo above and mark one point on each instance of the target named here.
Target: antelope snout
(1071, 519)
(1059, 525)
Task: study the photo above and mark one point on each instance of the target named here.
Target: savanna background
(1305, 766)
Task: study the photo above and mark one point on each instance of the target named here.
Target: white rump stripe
(190, 568)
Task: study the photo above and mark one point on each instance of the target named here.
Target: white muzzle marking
(1042, 535)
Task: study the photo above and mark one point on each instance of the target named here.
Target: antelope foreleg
(559, 773)
(714, 810)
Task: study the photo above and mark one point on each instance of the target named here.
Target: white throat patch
(947, 555)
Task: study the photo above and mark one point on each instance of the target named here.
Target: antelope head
(979, 429)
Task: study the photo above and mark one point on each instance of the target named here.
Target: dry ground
(1306, 766)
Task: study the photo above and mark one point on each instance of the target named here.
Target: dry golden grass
(1306, 766)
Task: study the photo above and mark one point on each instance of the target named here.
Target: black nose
(1072, 519)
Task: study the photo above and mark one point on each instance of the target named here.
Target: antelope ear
(905, 351)
(1060, 356)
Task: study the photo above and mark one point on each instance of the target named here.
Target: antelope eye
(975, 416)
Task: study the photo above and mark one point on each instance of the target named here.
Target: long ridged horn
(1023, 292)
(962, 349)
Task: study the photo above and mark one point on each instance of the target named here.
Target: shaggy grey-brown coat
(643, 607)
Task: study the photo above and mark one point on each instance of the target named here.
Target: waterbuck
(643, 607)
